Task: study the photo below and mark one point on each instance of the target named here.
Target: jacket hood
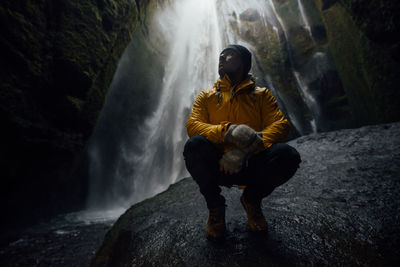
(225, 84)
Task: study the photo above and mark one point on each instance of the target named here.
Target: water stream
(137, 170)
(191, 66)
(304, 19)
(318, 66)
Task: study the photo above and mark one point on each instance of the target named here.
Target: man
(235, 131)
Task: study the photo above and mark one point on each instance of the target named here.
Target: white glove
(232, 161)
(246, 141)
(240, 135)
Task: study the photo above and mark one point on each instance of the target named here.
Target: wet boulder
(340, 208)
(250, 14)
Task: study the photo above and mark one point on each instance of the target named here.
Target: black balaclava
(244, 54)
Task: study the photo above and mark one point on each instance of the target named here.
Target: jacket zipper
(233, 93)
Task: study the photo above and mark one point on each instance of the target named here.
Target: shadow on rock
(340, 208)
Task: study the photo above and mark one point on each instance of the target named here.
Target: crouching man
(236, 132)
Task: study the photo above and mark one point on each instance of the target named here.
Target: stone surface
(250, 15)
(340, 208)
(60, 241)
(292, 55)
(58, 60)
(364, 41)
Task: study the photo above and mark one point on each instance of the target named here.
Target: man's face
(229, 63)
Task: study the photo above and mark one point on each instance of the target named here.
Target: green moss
(57, 62)
(76, 102)
(377, 19)
(368, 72)
(345, 43)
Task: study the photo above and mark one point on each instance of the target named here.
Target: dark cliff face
(57, 61)
(346, 58)
(364, 40)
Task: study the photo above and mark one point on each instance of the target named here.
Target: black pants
(263, 173)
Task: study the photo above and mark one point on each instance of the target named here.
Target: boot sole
(252, 229)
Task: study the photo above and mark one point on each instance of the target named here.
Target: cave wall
(312, 59)
(293, 56)
(364, 40)
(348, 61)
(272, 58)
(133, 96)
(57, 62)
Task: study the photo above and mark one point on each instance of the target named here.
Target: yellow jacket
(213, 110)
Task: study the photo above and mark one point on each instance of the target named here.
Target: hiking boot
(215, 227)
(255, 217)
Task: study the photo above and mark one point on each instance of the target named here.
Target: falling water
(309, 99)
(303, 89)
(316, 68)
(192, 66)
(304, 18)
(200, 30)
(156, 161)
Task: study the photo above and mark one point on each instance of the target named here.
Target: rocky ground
(62, 241)
(341, 208)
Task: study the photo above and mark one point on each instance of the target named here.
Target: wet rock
(272, 66)
(57, 242)
(341, 208)
(58, 60)
(367, 33)
(250, 15)
(327, 3)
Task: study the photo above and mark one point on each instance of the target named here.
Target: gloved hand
(244, 137)
(246, 141)
(232, 161)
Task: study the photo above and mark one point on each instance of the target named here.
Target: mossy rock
(272, 59)
(368, 71)
(58, 60)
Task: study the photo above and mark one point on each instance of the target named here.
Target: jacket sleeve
(276, 126)
(198, 122)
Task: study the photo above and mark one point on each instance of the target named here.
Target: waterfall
(301, 75)
(192, 66)
(156, 161)
(304, 18)
(309, 99)
(141, 161)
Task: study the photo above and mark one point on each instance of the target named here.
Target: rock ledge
(340, 208)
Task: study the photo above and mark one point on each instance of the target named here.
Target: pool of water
(66, 240)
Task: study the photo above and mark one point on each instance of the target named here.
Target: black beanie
(244, 54)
